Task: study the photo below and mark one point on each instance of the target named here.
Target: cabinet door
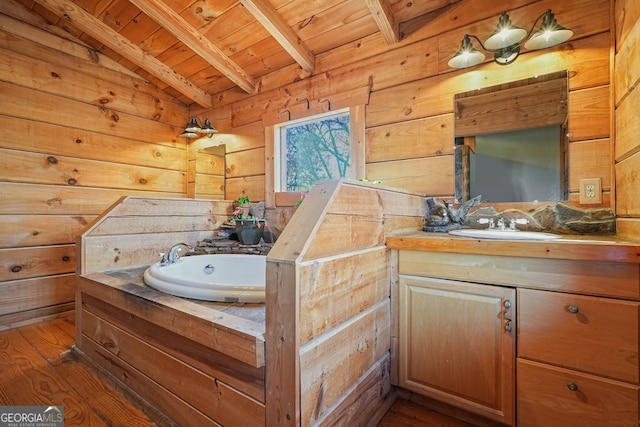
(457, 345)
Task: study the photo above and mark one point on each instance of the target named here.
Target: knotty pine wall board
(626, 151)
(81, 131)
(408, 90)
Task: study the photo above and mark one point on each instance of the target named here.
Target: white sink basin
(504, 234)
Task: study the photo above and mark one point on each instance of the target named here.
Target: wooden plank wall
(409, 119)
(329, 328)
(627, 122)
(71, 143)
(78, 132)
(136, 229)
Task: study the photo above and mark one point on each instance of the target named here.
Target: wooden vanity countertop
(572, 247)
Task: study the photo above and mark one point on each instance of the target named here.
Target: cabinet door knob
(573, 309)
(572, 386)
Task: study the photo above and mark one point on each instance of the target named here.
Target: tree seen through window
(315, 150)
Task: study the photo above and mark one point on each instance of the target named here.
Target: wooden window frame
(355, 100)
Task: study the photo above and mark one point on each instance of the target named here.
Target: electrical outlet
(590, 191)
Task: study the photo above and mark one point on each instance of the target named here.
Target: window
(347, 156)
(313, 149)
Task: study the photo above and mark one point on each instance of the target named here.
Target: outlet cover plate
(590, 191)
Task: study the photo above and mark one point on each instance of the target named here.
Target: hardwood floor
(38, 368)
(405, 413)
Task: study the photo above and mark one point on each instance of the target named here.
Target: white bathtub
(220, 277)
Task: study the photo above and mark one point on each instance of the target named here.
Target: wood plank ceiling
(195, 49)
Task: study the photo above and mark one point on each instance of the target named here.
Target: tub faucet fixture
(173, 256)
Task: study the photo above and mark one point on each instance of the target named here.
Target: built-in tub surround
(327, 311)
(225, 278)
(208, 357)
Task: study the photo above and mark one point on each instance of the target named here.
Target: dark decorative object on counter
(443, 217)
(250, 230)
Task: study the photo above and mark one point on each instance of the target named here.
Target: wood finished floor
(37, 367)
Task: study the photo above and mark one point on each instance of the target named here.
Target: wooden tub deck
(202, 365)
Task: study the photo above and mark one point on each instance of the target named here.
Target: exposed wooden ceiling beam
(386, 21)
(104, 34)
(270, 19)
(196, 41)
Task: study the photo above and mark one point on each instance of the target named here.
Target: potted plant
(244, 204)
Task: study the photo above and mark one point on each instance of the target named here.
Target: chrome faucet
(490, 221)
(502, 223)
(512, 224)
(172, 256)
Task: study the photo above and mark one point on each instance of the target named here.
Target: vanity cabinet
(577, 360)
(457, 344)
(523, 334)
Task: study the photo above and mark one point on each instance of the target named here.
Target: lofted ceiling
(195, 49)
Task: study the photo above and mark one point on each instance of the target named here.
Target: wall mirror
(510, 141)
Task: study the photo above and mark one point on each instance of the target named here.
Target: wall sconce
(506, 40)
(194, 130)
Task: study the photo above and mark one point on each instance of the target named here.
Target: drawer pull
(573, 309)
(572, 386)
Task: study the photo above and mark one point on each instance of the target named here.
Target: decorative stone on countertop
(558, 218)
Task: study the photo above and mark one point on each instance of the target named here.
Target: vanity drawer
(590, 334)
(552, 396)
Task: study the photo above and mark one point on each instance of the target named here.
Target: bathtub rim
(155, 278)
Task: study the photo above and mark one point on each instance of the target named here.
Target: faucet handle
(489, 221)
(513, 222)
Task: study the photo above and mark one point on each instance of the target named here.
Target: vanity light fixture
(506, 40)
(194, 129)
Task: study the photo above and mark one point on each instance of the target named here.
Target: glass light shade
(187, 134)
(207, 128)
(505, 34)
(550, 33)
(548, 39)
(467, 55)
(193, 125)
